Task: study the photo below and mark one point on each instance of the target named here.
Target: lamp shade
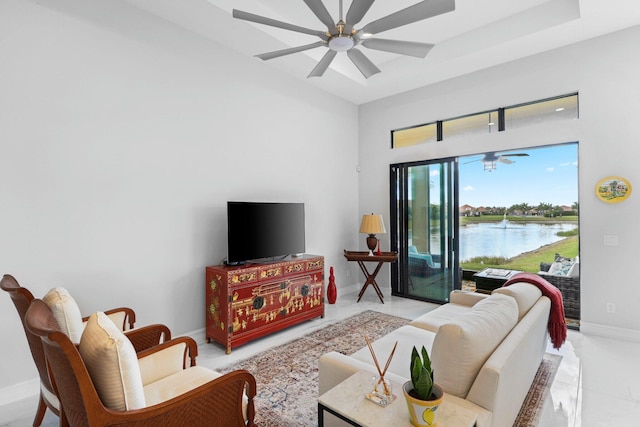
(372, 224)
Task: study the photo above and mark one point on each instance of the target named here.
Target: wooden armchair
(141, 338)
(215, 402)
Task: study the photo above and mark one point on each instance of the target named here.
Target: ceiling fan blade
(366, 67)
(318, 9)
(417, 12)
(514, 155)
(283, 52)
(246, 16)
(505, 161)
(419, 50)
(323, 64)
(472, 161)
(357, 10)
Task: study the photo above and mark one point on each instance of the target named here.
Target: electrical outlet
(611, 307)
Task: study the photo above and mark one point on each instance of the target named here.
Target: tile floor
(596, 384)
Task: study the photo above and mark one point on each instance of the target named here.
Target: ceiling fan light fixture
(341, 43)
(343, 37)
(489, 165)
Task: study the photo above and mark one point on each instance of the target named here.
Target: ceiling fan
(344, 37)
(490, 159)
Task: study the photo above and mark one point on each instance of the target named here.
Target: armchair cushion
(178, 383)
(112, 364)
(66, 312)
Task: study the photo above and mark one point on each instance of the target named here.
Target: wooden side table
(361, 258)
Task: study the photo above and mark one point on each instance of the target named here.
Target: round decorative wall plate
(613, 189)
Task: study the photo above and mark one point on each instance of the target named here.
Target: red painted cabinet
(253, 300)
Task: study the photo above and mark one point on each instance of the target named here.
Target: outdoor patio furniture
(568, 285)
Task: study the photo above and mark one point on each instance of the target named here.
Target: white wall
(605, 73)
(121, 139)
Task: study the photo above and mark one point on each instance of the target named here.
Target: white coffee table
(347, 401)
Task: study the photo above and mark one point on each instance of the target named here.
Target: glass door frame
(399, 216)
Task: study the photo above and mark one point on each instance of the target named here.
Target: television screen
(264, 230)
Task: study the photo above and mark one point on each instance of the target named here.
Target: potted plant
(422, 394)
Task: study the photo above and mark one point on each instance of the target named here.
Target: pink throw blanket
(557, 325)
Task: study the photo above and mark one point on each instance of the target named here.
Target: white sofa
(485, 351)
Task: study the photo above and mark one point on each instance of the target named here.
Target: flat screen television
(258, 231)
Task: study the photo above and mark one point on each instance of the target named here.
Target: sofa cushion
(525, 294)
(432, 320)
(66, 312)
(112, 364)
(461, 346)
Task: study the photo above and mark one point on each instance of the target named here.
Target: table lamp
(372, 225)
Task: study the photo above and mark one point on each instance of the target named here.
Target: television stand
(253, 300)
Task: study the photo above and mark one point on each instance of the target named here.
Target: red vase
(332, 292)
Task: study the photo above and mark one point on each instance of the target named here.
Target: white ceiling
(477, 35)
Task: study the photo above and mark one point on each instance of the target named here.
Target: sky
(547, 175)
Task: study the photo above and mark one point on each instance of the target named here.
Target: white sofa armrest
(504, 380)
(334, 367)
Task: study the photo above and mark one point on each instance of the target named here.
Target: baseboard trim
(198, 335)
(20, 391)
(355, 288)
(588, 328)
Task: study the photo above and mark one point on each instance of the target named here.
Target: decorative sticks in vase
(387, 396)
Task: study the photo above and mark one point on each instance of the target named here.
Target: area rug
(287, 376)
(530, 411)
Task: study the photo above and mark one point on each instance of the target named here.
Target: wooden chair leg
(42, 408)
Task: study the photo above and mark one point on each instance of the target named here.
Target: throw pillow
(429, 260)
(66, 312)
(525, 294)
(562, 265)
(112, 363)
(560, 258)
(574, 271)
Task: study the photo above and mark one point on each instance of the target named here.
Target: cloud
(550, 169)
(434, 173)
(573, 163)
(468, 188)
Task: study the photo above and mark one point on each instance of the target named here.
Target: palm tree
(544, 208)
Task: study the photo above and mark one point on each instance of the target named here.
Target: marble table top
(349, 399)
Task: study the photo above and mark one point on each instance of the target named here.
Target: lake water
(507, 239)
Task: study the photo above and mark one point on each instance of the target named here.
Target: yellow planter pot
(423, 413)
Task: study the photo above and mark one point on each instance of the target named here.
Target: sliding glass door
(424, 224)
